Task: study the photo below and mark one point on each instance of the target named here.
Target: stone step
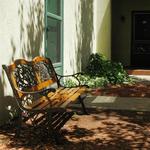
(138, 72)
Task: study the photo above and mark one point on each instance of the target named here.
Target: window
(53, 38)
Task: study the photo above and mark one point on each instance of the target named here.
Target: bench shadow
(119, 127)
(34, 137)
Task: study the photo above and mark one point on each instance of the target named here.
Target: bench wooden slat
(57, 99)
(44, 105)
(63, 90)
(72, 91)
(72, 97)
(63, 96)
(53, 94)
(66, 99)
(37, 103)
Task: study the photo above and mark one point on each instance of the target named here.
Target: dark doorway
(140, 52)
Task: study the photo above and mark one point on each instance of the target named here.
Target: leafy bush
(69, 83)
(95, 65)
(101, 67)
(100, 72)
(93, 81)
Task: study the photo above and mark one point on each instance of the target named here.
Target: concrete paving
(142, 78)
(121, 103)
(118, 103)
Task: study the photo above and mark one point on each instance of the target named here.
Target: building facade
(67, 31)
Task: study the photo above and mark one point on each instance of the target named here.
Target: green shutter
(54, 33)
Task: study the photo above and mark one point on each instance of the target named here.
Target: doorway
(140, 45)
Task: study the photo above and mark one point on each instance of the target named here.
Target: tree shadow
(34, 137)
(30, 43)
(84, 29)
(140, 89)
(107, 130)
(31, 31)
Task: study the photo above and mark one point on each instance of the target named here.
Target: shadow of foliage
(84, 29)
(107, 130)
(31, 15)
(34, 137)
(78, 132)
(33, 29)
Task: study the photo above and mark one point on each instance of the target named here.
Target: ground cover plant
(101, 72)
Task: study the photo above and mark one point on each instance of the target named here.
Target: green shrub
(93, 81)
(69, 83)
(100, 72)
(101, 67)
(96, 65)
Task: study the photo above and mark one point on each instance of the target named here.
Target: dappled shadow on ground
(134, 90)
(106, 130)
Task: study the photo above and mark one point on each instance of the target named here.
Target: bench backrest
(32, 75)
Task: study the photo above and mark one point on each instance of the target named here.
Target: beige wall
(21, 35)
(70, 37)
(86, 29)
(79, 30)
(21, 30)
(103, 27)
(121, 30)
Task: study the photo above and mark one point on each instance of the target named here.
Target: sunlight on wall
(21, 31)
(103, 27)
(21, 35)
(69, 35)
(86, 30)
(78, 34)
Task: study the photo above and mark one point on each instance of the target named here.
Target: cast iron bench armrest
(76, 74)
(72, 75)
(43, 91)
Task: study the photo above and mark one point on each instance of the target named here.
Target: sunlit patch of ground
(134, 90)
(110, 131)
(106, 130)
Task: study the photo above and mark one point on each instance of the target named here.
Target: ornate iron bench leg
(19, 123)
(81, 99)
(51, 131)
(49, 121)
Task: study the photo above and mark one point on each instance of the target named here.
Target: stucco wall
(21, 35)
(21, 29)
(87, 29)
(79, 33)
(103, 27)
(121, 29)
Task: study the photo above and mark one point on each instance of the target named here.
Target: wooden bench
(33, 84)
